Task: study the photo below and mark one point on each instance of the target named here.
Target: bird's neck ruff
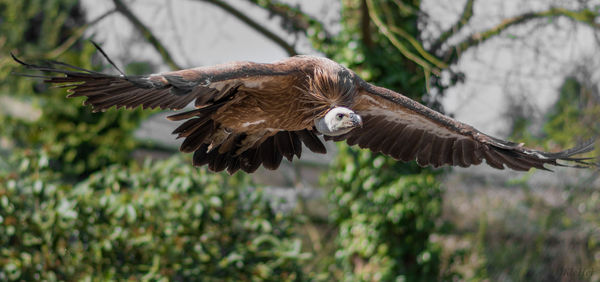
(326, 89)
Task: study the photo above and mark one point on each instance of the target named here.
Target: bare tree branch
(294, 17)
(253, 24)
(467, 14)
(146, 33)
(584, 16)
(365, 24)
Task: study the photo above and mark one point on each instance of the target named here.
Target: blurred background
(107, 196)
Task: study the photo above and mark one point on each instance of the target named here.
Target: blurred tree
(575, 113)
(78, 141)
(385, 209)
(550, 240)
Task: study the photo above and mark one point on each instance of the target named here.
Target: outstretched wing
(406, 130)
(170, 90)
(210, 88)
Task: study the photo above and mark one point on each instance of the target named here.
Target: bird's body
(248, 114)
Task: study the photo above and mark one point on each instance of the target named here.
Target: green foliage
(575, 114)
(78, 141)
(41, 23)
(386, 212)
(371, 55)
(162, 220)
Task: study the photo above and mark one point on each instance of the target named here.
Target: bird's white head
(338, 121)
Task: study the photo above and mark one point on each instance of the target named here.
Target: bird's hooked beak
(356, 120)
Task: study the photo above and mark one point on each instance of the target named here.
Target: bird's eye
(339, 116)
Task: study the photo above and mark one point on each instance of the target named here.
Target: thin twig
(407, 9)
(76, 35)
(401, 47)
(417, 45)
(413, 41)
(298, 20)
(253, 24)
(146, 33)
(467, 14)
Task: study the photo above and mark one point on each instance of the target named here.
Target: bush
(161, 220)
(386, 212)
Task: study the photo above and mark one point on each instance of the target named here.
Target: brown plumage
(248, 114)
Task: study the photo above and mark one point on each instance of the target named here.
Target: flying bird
(247, 114)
